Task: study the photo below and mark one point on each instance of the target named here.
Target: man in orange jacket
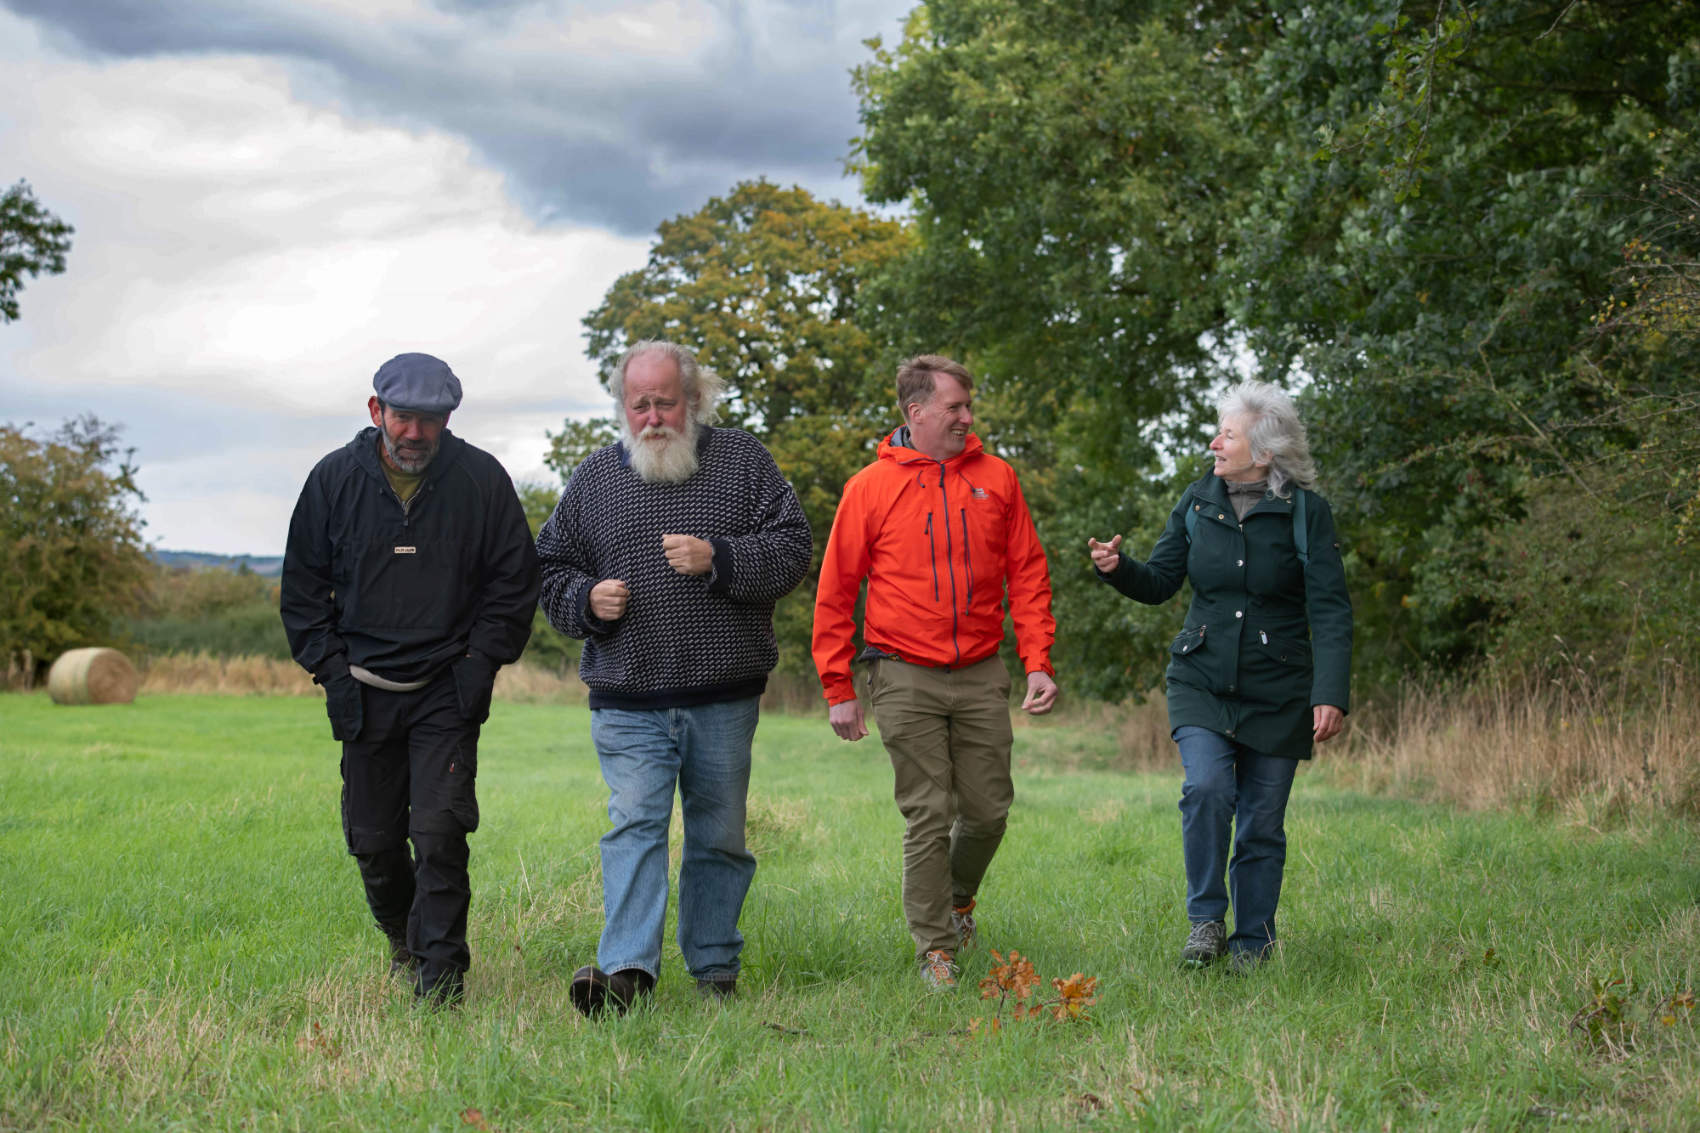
(938, 528)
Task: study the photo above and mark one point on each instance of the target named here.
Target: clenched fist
(608, 599)
(687, 554)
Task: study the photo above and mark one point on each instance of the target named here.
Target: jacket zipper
(933, 556)
(968, 557)
(955, 643)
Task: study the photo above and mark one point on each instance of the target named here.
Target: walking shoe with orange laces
(938, 971)
(962, 922)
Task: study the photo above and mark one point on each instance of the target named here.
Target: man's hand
(1326, 721)
(1041, 692)
(687, 554)
(1105, 555)
(608, 599)
(846, 719)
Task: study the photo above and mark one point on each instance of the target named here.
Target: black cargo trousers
(411, 774)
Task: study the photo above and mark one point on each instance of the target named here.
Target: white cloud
(243, 263)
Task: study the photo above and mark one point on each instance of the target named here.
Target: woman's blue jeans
(1231, 787)
(705, 751)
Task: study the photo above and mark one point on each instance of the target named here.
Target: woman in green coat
(1262, 669)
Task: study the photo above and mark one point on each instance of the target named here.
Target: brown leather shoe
(718, 991)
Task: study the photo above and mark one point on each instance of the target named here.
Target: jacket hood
(895, 448)
(364, 447)
(1214, 489)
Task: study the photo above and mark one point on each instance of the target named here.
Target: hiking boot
(447, 990)
(962, 923)
(1205, 944)
(717, 990)
(1246, 961)
(594, 991)
(402, 962)
(938, 971)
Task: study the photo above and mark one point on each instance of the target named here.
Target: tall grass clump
(210, 673)
(1546, 743)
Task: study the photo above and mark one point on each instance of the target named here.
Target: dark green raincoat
(1267, 636)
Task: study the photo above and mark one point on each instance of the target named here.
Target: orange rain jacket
(937, 543)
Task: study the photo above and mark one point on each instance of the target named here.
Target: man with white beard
(666, 554)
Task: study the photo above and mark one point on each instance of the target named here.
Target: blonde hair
(917, 381)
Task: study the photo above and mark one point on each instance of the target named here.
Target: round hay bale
(92, 676)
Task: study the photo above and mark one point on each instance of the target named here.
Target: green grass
(183, 944)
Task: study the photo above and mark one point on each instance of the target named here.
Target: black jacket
(405, 592)
(1268, 636)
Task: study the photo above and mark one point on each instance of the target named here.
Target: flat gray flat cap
(417, 382)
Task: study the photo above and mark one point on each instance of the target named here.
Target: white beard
(660, 455)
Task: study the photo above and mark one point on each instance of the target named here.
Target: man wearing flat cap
(409, 578)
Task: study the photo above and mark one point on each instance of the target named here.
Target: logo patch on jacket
(980, 493)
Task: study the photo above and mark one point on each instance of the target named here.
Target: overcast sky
(272, 197)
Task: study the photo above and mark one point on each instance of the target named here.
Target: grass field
(183, 945)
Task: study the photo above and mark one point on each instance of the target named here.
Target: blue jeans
(705, 750)
(1228, 785)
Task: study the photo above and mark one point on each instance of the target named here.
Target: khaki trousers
(948, 734)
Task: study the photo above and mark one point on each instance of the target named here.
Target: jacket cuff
(332, 667)
(720, 572)
(590, 621)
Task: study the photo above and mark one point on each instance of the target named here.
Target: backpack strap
(1301, 529)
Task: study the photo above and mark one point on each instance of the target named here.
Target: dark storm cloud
(594, 135)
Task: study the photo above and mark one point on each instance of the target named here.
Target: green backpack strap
(1301, 528)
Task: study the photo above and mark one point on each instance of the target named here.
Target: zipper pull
(1263, 637)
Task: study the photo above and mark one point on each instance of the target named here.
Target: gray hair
(1274, 431)
(703, 388)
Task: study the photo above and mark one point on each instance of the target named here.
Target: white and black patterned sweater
(684, 639)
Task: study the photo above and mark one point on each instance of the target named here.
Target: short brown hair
(915, 378)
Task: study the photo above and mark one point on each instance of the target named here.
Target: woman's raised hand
(1105, 555)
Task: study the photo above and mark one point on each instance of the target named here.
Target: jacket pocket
(1188, 641)
(474, 679)
(1283, 650)
(345, 705)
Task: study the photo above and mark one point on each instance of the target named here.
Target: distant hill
(266, 565)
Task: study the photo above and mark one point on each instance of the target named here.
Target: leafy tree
(767, 285)
(32, 241)
(1601, 572)
(71, 552)
(548, 646)
(1436, 266)
(567, 448)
